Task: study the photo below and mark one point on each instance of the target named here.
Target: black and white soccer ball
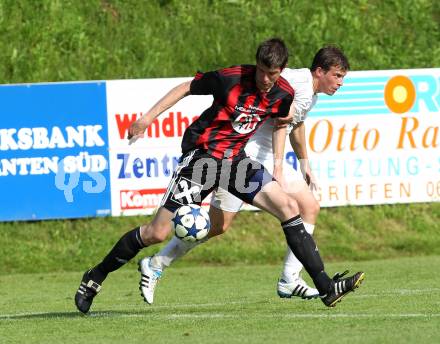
(191, 223)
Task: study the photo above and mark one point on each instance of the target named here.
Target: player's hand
(279, 176)
(309, 177)
(311, 181)
(285, 120)
(136, 130)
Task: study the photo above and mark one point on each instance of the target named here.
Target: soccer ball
(191, 223)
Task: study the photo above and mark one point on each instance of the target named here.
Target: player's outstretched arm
(138, 127)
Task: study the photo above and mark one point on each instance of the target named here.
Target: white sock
(292, 266)
(172, 251)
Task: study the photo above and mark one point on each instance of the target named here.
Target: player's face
(330, 81)
(266, 77)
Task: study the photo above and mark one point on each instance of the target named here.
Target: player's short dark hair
(330, 56)
(273, 53)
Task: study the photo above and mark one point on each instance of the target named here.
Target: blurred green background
(54, 40)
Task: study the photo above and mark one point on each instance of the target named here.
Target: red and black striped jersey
(237, 110)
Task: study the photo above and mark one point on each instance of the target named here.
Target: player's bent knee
(314, 208)
(154, 234)
(310, 210)
(289, 208)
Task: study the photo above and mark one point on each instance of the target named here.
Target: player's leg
(176, 248)
(290, 283)
(222, 211)
(133, 241)
(154, 266)
(275, 201)
(271, 197)
(124, 250)
(181, 190)
(254, 185)
(199, 174)
(221, 220)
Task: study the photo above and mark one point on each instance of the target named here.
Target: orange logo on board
(400, 94)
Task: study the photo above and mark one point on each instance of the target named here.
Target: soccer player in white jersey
(326, 75)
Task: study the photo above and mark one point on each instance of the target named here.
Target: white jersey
(301, 80)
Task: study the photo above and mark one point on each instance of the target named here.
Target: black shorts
(199, 173)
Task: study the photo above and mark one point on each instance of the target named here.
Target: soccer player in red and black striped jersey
(244, 97)
(213, 155)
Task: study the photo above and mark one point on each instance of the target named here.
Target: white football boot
(297, 287)
(149, 279)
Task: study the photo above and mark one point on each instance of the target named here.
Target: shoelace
(337, 276)
(152, 281)
(155, 279)
(89, 290)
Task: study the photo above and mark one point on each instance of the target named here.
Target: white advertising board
(376, 141)
(140, 172)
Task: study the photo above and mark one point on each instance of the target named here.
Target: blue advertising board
(53, 151)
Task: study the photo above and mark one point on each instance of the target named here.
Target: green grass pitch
(399, 302)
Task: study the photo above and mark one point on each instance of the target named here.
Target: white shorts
(223, 200)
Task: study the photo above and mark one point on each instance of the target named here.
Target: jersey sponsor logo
(186, 191)
(246, 123)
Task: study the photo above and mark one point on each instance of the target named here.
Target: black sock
(125, 249)
(304, 248)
